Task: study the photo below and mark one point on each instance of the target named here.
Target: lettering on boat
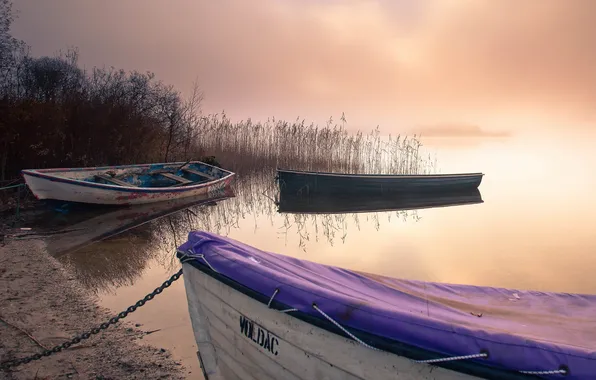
(259, 335)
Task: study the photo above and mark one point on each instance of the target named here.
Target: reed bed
(247, 147)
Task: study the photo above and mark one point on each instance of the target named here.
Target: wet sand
(41, 306)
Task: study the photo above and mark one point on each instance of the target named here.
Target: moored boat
(261, 315)
(306, 182)
(315, 203)
(127, 184)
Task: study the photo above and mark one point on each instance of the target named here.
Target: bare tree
(192, 115)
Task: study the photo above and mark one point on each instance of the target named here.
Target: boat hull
(55, 185)
(337, 183)
(240, 338)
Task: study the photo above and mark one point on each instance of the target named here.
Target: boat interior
(151, 175)
(161, 176)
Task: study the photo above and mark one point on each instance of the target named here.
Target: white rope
(271, 300)
(187, 258)
(341, 328)
(451, 358)
(272, 296)
(561, 371)
(483, 354)
(201, 256)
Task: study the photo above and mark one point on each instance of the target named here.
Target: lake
(532, 230)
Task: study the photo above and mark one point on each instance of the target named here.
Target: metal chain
(16, 362)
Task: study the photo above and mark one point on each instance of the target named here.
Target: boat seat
(176, 178)
(114, 181)
(200, 174)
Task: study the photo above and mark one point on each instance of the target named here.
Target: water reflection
(329, 215)
(110, 249)
(529, 229)
(291, 202)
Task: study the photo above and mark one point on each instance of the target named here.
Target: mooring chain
(16, 362)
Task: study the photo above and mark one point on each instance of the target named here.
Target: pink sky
(495, 65)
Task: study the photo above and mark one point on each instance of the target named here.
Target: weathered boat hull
(71, 185)
(314, 203)
(239, 338)
(337, 183)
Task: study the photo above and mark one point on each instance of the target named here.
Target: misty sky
(430, 64)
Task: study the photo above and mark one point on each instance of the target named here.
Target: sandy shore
(42, 306)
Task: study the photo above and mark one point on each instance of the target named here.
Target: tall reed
(247, 147)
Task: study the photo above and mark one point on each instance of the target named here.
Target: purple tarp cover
(522, 330)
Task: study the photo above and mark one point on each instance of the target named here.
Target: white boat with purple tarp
(260, 315)
(127, 184)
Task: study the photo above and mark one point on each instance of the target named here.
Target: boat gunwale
(107, 167)
(384, 176)
(386, 344)
(42, 173)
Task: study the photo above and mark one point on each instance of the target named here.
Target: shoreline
(42, 305)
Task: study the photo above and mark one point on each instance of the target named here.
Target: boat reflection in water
(101, 224)
(109, 248)
(319, 203)
(106, 249)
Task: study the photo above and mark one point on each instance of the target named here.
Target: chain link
(77, 339)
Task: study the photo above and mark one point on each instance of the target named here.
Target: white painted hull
(281, 347)
(47, 189)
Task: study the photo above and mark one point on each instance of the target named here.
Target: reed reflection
(331, 215)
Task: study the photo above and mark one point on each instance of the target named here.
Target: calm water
(533, 230)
